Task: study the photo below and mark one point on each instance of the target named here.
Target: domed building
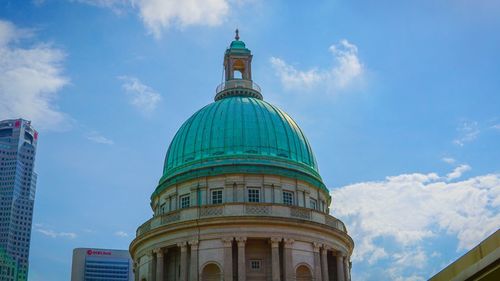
(241, 197)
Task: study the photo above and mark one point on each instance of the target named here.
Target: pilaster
(275, 258)
(193, 271)
(317, 261)
(324, 263)
(242, 270)
(183, 261)
(228, 258)
(289, 272)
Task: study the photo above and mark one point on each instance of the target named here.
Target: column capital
(241, 241)
(288, 242)
(275, 242)
(325, 248)
(227, 241)
(194, 244)
(182, 245)
(340, 254)
(159, 252)
(316, 247)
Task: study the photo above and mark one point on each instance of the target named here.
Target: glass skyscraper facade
(97, 269)
(18, 141)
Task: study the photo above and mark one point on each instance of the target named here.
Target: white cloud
(416, 258)
(121, 234)
(52, 233)
(141, 96)
(30, 79)
(160, 15)
(117, 6)
(98, 138)
(448, 160)
(458, 171)
(345, 71)
(468, 131)
(411, 210)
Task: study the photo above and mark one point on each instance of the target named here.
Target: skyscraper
(18, 142)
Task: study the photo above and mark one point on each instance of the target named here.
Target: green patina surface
(239, 134)
(237, 46)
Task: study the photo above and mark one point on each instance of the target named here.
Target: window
(253, 195)
(287, 198)
(217, 196)
(184, 201)
(255, 265)
(314, 204)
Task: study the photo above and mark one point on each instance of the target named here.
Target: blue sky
(400, 100)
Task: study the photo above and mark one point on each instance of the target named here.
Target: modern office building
(18, 142)
(101, 265)
(241, 197)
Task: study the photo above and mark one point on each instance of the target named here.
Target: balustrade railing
(241, 209)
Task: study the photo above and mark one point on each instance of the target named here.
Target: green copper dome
(239, 134)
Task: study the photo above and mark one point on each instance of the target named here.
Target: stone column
(340, 267)
(324, 263)
(228, 258)
(193, 271)
(160, 266)
(346, 269)
(289, 272)
(151, 267)
(242, 269)
(317, 261)
(275, 258)
(136, 270)
(183, 261)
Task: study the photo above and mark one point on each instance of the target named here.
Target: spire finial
(237, 36)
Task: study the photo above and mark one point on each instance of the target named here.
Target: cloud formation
(448, 160)
(160, 15)
(410, 210)
(345, 71)
(52, 233)
(458, 171)
(96, 137)
(121, 234)
(468, 131)
(141, 96)
(30, 79)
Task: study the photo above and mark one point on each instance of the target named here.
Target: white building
(101, 265)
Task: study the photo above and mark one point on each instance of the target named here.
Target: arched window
(303, 273)
(211, 272)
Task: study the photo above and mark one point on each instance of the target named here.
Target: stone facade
(241, 240)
